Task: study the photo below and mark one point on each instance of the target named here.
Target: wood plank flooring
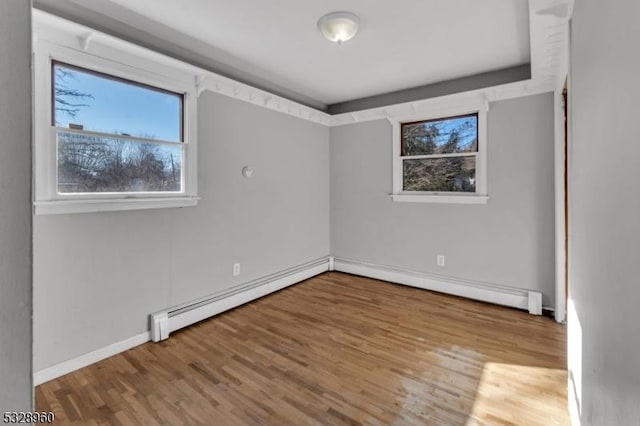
(335, 349)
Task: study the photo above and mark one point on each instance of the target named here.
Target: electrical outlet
(440, 260)
(236, 269)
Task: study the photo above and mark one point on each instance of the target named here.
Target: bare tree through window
(92, 160)
(440, 155)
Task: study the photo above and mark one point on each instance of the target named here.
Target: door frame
(561, 150)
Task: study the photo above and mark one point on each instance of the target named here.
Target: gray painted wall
(604, 231)
(99, 276)
(508, 241)
(15, 206)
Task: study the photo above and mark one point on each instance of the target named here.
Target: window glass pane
(444, 136)
(100, 164)
(91, 101)
(451, 174)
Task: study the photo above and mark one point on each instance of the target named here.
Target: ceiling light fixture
(338, 27)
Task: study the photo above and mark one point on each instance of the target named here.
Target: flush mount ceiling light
(338, 26)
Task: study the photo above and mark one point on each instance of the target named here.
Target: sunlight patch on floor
(442, 389)
(505, 390)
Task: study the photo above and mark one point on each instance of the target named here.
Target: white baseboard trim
(486, 292)
(183, 316)
(179, 317)
(65, 367)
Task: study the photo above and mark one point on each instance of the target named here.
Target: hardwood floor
(335, 349)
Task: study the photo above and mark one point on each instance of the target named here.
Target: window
(111, 136)
(115, 135)
(441, 159)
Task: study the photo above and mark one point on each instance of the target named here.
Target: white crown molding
(548, 26)
(61, 31)
(234, 89)
(416, 108)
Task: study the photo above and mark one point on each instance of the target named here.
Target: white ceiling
(401, 44)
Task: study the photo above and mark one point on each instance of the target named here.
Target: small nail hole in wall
(247, 171)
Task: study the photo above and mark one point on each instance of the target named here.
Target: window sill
(110, 205)
(442, 199)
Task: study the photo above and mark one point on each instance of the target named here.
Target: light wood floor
(335, 349)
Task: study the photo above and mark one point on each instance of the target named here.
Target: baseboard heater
(165, 322)
(487, 292)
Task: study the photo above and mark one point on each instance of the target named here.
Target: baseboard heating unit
(487, 292)
(165, 322)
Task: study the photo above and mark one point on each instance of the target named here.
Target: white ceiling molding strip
(61, 31)
(415, 108)
(228, 87)
(548, 35)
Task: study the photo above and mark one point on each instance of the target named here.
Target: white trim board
(65, 367)
(486, 292)
(559, 163)
(91, 206)
(559, 207)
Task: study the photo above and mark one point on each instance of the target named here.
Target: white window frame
(478, 197)
(121, 60)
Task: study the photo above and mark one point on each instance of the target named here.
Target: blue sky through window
(116, 106)
(466, 127)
